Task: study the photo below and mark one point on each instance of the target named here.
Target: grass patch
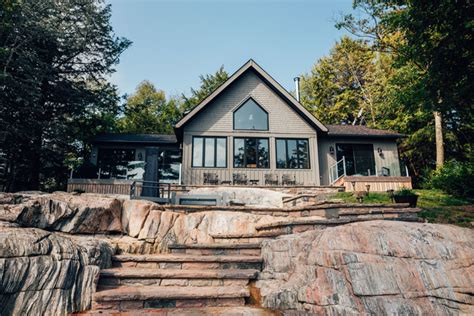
(437, 206)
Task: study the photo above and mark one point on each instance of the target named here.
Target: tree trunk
(439, 140)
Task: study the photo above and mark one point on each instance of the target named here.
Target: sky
(176, 41)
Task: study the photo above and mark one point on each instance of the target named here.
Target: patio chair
(287, 179)
(211, 178)
(239, 178)
(271, 179)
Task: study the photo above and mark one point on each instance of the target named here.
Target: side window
(209, 152)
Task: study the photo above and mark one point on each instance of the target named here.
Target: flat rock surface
(377, 267)
(227, 311)
(186, 258)
(134, 293)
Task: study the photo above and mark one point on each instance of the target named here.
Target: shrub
(456, 178)
(404, 192)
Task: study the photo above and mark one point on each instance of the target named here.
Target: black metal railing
(151, 190)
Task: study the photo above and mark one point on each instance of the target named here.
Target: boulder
(85, 213)
(44, 273)
(377, 268)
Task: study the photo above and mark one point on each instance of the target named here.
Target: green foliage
(148, 111)
(338, 86)
(209, 83)
(429, 44)
(455, 178)
(55, 59)
(437, 206)
(404, 192)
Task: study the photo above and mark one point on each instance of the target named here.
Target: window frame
(286, 153)
(204, 152)
(245, 129)
(257, 141)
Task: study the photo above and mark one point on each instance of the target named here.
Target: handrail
(334, 169)
(161, 189)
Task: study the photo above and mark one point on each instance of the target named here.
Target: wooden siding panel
(217, 120)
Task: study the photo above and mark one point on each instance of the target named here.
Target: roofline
(252, 64)
(395, 136)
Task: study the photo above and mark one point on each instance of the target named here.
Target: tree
(435, 37)
(148, 111)
(55, 58)
(209, 83)
(341, 86)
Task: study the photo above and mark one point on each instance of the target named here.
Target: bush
(456, 178)
(404, 192)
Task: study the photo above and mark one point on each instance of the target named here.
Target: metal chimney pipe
(297, 86)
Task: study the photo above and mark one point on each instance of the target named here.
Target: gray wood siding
(216, 119)
(389, 160)
(218, 115)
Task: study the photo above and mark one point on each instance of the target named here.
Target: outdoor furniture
(226, 182)
(288, 180)
(211, 178)
(239, 178)
(271, 179)
(254, 181)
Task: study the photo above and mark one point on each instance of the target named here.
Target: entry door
(359, 159)
(151, 171)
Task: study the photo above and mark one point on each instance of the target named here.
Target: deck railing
(151, 190)
(334, 170)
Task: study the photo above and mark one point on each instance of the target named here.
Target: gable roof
(360, 131)
(272, 83)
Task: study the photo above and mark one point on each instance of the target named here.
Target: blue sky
(175, 41)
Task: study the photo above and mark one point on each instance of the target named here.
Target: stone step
(134, 297)
(187, 261)
(171, 277)
(192, 311)
(248, 249)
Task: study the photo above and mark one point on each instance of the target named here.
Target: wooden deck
(122, 187)
(377, 184)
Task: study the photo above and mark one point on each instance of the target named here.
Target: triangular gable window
(251, 116)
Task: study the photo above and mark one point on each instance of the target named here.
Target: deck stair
(190, 276)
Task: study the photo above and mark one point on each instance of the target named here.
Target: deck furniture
(239, 178)
(287, 179)
(254, 181)
(271, 179)
(211, 178)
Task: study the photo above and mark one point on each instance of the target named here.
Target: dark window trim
(245, 156)
(204, 152)
(286, 153)
(243, 129)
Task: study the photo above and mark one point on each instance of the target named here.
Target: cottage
(252, 131)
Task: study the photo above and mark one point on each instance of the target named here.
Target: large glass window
(251, 153)
(292, 154)
(209, 152)
(251, 116)
(359, 159)
(169, 163)
(115, 163)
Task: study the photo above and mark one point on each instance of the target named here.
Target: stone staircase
(189, 276)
